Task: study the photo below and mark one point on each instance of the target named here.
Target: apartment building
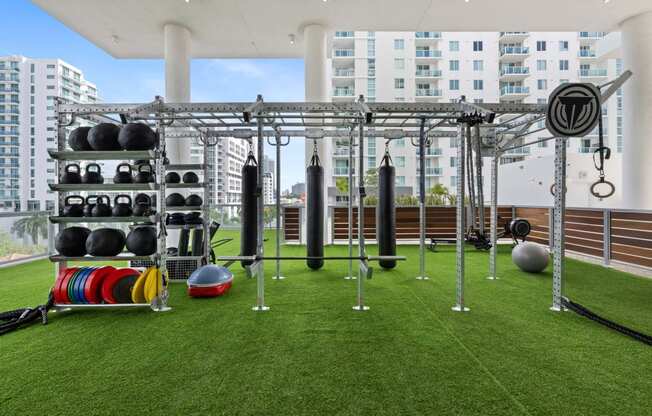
(444, 66)
(28, 88)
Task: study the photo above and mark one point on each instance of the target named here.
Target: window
(542, 100)
(399, 44)
(371, 87)
(541, 65)
(478, 65)
(563, 46)
(563, 81)
(453, 162)
(400, 181)
(371, 47)
(399, 63)
(454, 65)
(399, 143)
(541, 45)
(371, 67)
(563, 65)
(478, 84)
(542, 144)
(399, 99)
(477, 46)
(399, 161)
(399, 83)
(542, 84)
(454, 84)
(454, 46)
(50, 66)
(453, 181)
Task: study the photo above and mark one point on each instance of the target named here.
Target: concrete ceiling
(260, 28)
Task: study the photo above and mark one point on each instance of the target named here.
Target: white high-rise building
(444, 66)
(230, 156)
(28, 88)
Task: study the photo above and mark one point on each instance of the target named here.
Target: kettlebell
(73, 210)
(190, 177)
(145, 174)
(172, 177)
(142, 205)
(102, 207)
(194, 201)
(175, 200)
(122, 209)
(123, 174)
(71, 174)
(93, 174)
(91, 200)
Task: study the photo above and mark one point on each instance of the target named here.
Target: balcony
(591, 36)
(592, 73)
(343, 92)
(514, 92)
(428, 92)
(427, 35)
(586, 149)
(344, 34)
(339, 171)
(428, 54)
(513, 73)
(428, 73)
(432, 171)
(521, 151)
(586, 54)
(513, 36)
(431, 151)
(514, 53)
(343, 53)
(344, 72)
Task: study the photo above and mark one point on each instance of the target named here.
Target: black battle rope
(12, 320)
(581, 310)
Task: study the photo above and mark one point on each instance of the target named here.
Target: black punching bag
(315, 213)
(249, 209)
(386, 213)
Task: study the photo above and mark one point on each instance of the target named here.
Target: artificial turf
(312, 354)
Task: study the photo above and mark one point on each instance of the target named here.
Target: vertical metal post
(606, 249)
(278, 207)
(558, 248)
(470, 176)
(360, 306)
(551, 227)
(494, 214)
(422, 201)
(350, 275)
(478, 172)
(259, 264)
(459, 306)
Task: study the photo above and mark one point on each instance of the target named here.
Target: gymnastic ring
(596, 194)
(552, 189)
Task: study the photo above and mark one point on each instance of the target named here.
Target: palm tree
(33, 226)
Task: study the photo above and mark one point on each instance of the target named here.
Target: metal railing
(343, 92)
(514, 90)
(586, 53)
(514, 70)
(428, 92)
(515, 50)
(428, 73)
(343, 53)
(427, 53)
(344, 72)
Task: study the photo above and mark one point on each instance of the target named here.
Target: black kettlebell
(172, 177)
(102, 207)
(142, 205)
(145, 174)
(123, 174)
(122, 209)
(194, 201)
(91, 200)
(190, 177)
(175, 200)
(142, 241)
(93, 174)
(71, 174)
(71, 209)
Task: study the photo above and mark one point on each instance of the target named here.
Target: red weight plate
(112, 279)
(93, 287)
(63, 287)
(57, 285)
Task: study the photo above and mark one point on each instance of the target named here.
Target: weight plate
(63, 276)
(73, 288)
(71, 283)
(79, 285)
(122, 289)
(93, 286)
(138, 291)
(112, 279)
(63, 288)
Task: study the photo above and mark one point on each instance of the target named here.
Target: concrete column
(637, 95)
(315, 54)
(177, 50)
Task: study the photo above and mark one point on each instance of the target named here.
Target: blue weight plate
(78, 288)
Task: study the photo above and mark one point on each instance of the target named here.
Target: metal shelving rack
(66, 115)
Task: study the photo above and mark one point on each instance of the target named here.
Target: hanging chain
(314, 147)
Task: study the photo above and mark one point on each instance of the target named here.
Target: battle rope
(583, 311)
(12, 320)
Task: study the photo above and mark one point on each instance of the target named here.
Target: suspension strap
(604, 153)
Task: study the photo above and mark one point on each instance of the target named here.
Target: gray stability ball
(530, 257)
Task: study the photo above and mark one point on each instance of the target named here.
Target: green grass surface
(311, 354)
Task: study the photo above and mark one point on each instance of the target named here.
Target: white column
(177, 80)
(637, 105)
(315, 54)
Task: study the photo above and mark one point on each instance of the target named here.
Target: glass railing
(590, 73)
(428, 72)
(586, 53)
(344, 72)
(514, 90)
(585, 149)
(344, 52)
(428, 92)
(502, 34)
(422, 53)
(427, 35)
(23, 235)
(433, 151)
(342, 92)
(515, 70)
(592, 35)
(515, 50)
(432, 171)
(342, 171)
(344, 34)
(519, 151)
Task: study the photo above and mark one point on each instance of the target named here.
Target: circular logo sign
(573, 110)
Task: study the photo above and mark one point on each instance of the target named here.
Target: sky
(32, 32)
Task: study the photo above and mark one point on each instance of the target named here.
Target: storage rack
(66, 115)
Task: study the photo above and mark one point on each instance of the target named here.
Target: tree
(438, 195)
(33, 226)
(371, 177)
(342, 185)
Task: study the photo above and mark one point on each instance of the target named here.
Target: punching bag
(386, 212)
(249, 209)
(315, 212)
